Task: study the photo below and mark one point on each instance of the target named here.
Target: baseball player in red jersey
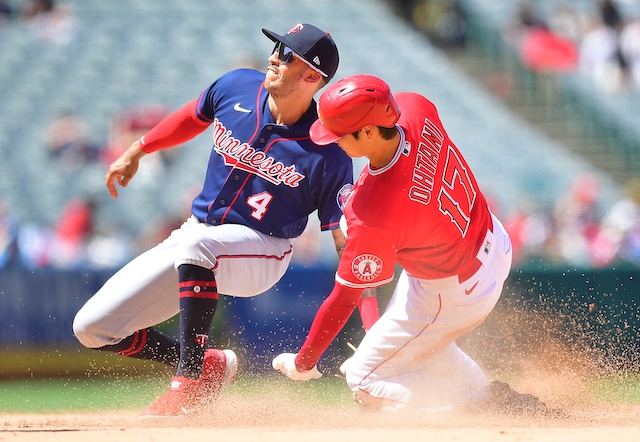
(264, 178)
(416, 204)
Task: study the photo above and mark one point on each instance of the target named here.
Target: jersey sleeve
(369, 257)
(211, 98)
(187, 122)
(177, 128)
(337, 186)
(205, 105)
(328, 322)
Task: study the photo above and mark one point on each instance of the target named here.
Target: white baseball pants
(145, 291)
(409, 358)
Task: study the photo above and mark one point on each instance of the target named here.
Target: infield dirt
(511, 346)
(246, 419)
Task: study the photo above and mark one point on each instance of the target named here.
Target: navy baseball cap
(313, 45)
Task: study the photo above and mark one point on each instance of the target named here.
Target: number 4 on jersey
(260, 204)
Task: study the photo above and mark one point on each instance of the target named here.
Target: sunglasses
(285, 54)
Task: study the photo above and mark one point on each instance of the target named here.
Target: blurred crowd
(76, 239)
(575, 231)
(579, 229)
(70, 145)
(49, 21)
(601, 42)
(604, 45)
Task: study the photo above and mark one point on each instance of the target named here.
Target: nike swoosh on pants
(473, 287)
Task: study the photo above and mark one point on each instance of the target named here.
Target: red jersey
(424, 210)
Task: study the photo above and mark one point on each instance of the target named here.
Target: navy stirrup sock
(198, 302)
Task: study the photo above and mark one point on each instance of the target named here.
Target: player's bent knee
(86, 331)
(81, 331)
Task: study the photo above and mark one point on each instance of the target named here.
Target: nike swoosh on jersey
(473, 287)
(238, 107)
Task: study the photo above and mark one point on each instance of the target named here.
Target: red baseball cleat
(188, 395)
(182, 396)
(219, 369)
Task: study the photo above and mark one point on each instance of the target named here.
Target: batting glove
(286, 364)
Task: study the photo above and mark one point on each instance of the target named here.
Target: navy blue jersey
(262, 175)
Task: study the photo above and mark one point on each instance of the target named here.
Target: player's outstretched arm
(368, 305)
(124, 168)
(331, 317)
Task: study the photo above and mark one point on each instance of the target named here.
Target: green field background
(594, 314)
(44, 380)
(41, 381)
(135, 393)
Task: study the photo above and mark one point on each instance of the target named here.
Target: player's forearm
(134, 153)
(177, 128)
(339, 240)
(330, 319)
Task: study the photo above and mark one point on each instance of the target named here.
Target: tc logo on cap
(295, 29)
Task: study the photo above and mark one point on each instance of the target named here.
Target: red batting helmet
(352, 103)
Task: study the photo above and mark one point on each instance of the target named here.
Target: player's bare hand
(286, 364)
(124, 168)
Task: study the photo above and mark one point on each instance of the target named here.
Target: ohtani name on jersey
(245, 157)
(429, 148)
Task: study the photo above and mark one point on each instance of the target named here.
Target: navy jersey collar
(300, 127)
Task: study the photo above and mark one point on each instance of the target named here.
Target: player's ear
(313, 77)
(369, 131)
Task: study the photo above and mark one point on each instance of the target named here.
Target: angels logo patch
(366, 267)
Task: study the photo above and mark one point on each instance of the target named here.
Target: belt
(470, 268)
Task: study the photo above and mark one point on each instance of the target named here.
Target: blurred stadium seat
(136, 52)
(611, 139)
(129, 53)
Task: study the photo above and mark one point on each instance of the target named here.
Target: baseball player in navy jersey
(264, 178)
(416, 204)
